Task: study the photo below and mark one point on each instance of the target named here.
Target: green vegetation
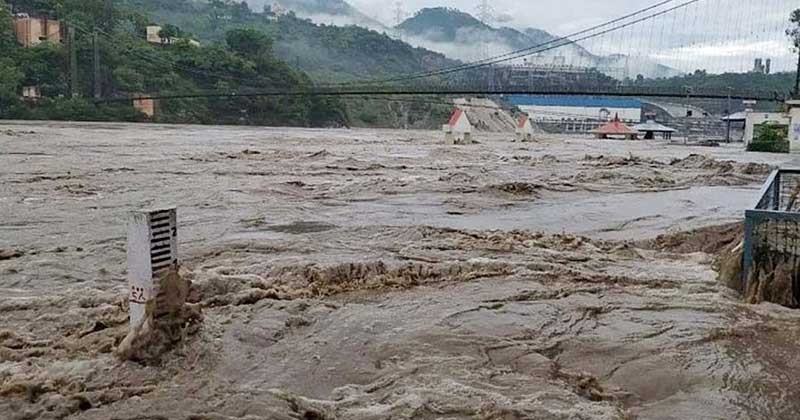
(131, 66)
(242, 51)
(326, 53)
(770, 137)
(700, 80)
(441, 24)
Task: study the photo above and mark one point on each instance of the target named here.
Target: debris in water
(168, 320)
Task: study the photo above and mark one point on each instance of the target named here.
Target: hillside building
(31, 93)
(278, 10)
(146, 106)
(154, 37)
(32, 31)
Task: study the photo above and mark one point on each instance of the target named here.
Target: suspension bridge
(666, 39)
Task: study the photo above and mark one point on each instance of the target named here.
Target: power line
(528, 51)
(164, 61)
(513, 54)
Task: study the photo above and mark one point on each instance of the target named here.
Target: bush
(770, 138)
(778, 146)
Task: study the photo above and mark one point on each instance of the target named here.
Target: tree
(249, 43)
(168, 33)
(8, 42)
(794, 35)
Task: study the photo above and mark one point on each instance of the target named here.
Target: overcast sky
(560, 16)
(723, 34)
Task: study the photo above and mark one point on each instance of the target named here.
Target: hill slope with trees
(326, 52)
(243, 60)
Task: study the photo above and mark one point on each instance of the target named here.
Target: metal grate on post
(772, 226)
(152, 251)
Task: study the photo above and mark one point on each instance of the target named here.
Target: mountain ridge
(455, 34)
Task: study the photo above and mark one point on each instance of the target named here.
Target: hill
(130, 66)
(456, 34)
(439, 26)
(331, 12)
(326, 52)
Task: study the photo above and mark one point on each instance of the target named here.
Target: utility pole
(688, 114)
(728, 125)
(97, 82)
(73, 62)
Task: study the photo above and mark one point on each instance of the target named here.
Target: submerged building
(651, 129)
(458, 129)
(577, 108)
(616, 129)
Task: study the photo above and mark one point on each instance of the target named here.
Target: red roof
(456, 115)
(522, 120)
(615, 128)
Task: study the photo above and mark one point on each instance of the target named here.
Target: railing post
(776, 198)
(747, 255)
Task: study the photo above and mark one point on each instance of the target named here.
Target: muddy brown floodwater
(374, 274)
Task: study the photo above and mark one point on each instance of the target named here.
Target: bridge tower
(485, 14)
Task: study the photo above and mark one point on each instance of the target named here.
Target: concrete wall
(794, 127)
(557, 113)
(756, 118)
(462, 125)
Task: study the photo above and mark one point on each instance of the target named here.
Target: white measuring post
(152, 251)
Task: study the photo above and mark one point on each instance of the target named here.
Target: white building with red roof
(458, 129)
(524, 128)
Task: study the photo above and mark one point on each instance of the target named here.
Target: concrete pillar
(794, 125)
(152, 252)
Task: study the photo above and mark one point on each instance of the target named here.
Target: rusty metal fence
(772, 227)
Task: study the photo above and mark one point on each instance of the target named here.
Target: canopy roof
(653, 126)
(737, 116)
(615, 128)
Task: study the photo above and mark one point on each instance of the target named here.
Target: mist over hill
(329, 12)
(461, 36)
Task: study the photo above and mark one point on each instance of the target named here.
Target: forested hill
(452, 26)
(242, 61)
(327, 53)
(780, 83)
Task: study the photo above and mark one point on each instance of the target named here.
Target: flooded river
(374, 274)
